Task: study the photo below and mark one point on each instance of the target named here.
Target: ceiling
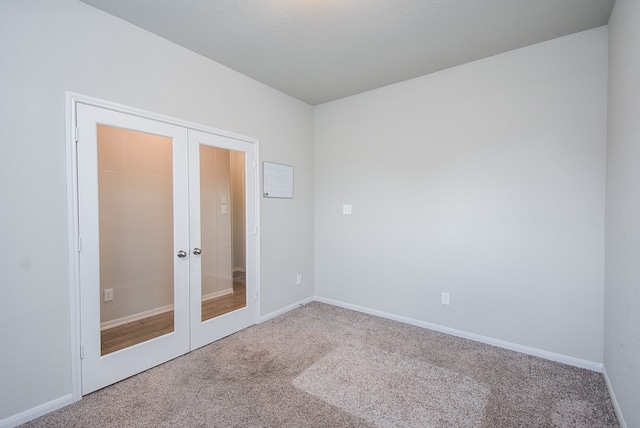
(322, 50)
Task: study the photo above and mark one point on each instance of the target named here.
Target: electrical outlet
(298, 279)
(346, 209)
(445, 298)
(108, 294)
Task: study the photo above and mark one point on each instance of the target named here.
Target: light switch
(225, 208)
(346, 209)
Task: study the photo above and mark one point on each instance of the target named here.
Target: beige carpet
(323, 366)
(390, 390)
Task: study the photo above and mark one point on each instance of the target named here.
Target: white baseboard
(614, 401)
(565, 359)
(217, 294)
(36, 412)
(156, 311)
(135, 317)
(285, 309)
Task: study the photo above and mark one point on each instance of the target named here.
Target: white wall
(50, 46)
(485, 181)
(622, 289)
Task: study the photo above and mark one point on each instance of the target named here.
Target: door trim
(71, 102)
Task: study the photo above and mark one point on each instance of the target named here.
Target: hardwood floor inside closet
(122, 336)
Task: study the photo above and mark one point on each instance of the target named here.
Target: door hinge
(256, 296)
(76, 132)
(255, 230)
(255, 164)
(81, 352)
(79, 244)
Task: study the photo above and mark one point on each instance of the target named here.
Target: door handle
(182, 254)
(197, 251)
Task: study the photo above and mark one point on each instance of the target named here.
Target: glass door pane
(135, 192)
(222, 226)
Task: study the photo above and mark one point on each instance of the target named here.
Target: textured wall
(485, 181)
(622, 286)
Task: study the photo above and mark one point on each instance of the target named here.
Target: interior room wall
(215, 227)
(238, 210)
(52, 46)
(135, 181)
(622, 292)
(485, 181)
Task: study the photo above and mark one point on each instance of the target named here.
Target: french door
(166, 219)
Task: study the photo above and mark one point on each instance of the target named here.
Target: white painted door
(148, 259)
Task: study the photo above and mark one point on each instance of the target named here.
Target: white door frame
(72, 101)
